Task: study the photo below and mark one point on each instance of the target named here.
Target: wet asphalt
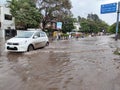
(84, 64)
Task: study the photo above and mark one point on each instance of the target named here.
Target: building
(77, 26)
(6, 20)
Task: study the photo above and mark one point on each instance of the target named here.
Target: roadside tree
(112, 29)
(53, 10)
(68, 24)
(92, 24)
(25, 12)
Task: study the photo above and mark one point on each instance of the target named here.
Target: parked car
(27, 41)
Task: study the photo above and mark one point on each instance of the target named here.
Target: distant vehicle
(76, 34)
(27, 41)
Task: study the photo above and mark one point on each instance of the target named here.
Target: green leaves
(30, 13)
(92, 24)
(25, 12)
(112, 28)
(68, 24)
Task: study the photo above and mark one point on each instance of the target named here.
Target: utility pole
(117, 23)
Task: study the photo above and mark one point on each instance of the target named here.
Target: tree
(93, 17)
(84, 25)
(25, 12)
(100, 23)
(53, 10)
(79, 19)
(68, 24)
(93, 24)
(112, 28)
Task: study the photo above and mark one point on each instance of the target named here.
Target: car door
(37, 40)
(43, 40)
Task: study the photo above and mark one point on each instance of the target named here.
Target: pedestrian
(59, 36)
(70, 36)
(77, 36)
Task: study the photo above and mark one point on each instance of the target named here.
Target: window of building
(8, 17)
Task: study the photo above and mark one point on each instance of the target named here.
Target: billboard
(59, 25)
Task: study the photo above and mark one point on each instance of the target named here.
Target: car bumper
(15, 48)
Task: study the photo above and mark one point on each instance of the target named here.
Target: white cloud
(2, 1)
(84, 7)
(109, 1)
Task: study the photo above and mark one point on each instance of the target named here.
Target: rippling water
(84, 64)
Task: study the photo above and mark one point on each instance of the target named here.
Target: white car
(27, 41)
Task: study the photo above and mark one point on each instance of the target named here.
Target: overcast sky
(84, 7)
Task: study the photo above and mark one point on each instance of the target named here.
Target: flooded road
(84, 64)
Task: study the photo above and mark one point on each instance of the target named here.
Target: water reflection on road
(84, 64)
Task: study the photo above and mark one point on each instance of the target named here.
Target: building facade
(6, 20)
(77, 26)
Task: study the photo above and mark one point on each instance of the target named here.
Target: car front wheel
(30, 48)
(47, 44)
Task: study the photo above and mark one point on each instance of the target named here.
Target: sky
(84, 7)
(2, 1)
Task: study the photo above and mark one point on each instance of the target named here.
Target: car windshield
(24, 34)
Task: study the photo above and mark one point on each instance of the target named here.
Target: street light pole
(117, 23)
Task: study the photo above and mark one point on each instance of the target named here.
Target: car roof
(33, 31)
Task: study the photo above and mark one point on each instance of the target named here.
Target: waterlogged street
(83, 64)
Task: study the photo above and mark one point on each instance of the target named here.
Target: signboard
(108, 8)
(59, 25)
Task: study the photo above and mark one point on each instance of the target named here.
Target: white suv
(27, 41)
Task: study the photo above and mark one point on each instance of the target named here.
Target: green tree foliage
(84, 25)
(79, 18)
(112, 28)
(92, 24)
(54, 10)
(68, 24)
(88, 26)
(25, 12)
(93, 17)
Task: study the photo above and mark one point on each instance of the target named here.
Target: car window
(24, 34)
(37, 34)
(42, 34)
